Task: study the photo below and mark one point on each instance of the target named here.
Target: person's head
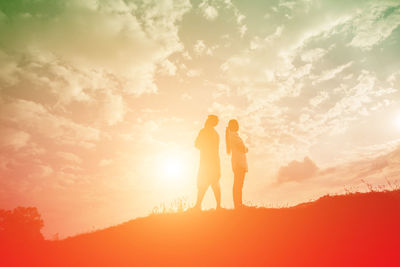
(212, 121)
(233, 125)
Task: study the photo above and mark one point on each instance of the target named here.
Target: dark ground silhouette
(351, 230)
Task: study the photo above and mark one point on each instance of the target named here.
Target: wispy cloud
(375, 26)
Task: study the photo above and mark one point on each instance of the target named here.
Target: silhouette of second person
(209, 170)
(235, 145)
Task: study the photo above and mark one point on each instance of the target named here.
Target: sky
(101, 101)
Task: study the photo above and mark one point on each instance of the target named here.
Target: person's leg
(217, 193)
(240, 188)
(238, 180)
(235, 189)
(201, 191)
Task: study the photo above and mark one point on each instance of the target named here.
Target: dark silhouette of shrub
(21, 224)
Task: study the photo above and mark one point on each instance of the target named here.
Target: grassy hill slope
(351, 230)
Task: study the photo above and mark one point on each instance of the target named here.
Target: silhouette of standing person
(235, 145)
(209, 170)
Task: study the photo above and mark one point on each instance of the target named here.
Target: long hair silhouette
(233, 126)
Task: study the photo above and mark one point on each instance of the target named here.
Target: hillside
(350, 230)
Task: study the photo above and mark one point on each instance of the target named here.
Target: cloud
(374, 26)
(288, 4)
(193, 72)
(313, 55)
(208, 11)
(297, 171)
(13, 138)
(304, 72)
(242, 30)
(330, 74)
(69, 157)
(70, 72)
(73, 41)
(8, 69)
(221, 90)
(38, 120)
(199, 47)
(317, 100)
(168, 68)
(113, 109)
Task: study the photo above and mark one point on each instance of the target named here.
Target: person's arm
(237, 144)
(228, 141)
(241, 147)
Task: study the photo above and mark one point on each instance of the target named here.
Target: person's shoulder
(214, 131)
(202, 130)
(203, 133)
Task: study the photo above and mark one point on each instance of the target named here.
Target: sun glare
(173, 167)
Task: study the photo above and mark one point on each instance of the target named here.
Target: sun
(173, 167)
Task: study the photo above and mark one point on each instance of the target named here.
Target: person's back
(208, 144)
